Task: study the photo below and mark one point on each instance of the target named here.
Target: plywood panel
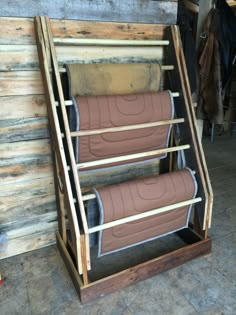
(21, 83)
(104, 10)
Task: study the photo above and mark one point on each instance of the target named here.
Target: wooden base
(195, 247)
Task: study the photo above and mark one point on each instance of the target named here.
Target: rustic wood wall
(27, 199)
(147, 11)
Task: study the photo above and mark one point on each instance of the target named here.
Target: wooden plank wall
(27, 199)
(146, 11)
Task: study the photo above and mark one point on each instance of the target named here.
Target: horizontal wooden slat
(161, 11)
(86, 29)
(21, 83)
(26, 199)
(142, 215)
(125, 128)
(30, 225)
(18, 57)
(19, 150)
(163, 68)
(15, 130)
(27, 243)
(23, 106)
(25, 160)
(88, 197)
(109, 42)
(25, 57)
(16, 31)
(21, 30)
(128, 157)
(70, 102)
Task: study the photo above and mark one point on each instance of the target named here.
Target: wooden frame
(125, 128)
(197, 247)
(75, 250)
(131, 156)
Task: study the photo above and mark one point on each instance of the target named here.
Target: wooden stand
(73, 237)
(196, 247)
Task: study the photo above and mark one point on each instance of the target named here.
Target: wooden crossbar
(70, 102)
(126, 128)
(163, 67)
(110, 42)
(88, 197)
(143, 215)
(131, 156)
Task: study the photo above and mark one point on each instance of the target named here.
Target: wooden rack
(75, 247)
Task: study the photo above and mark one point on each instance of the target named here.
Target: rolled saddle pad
(113, 79)
(96, 112)
(140, 195)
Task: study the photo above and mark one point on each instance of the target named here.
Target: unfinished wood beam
(125, 128)
(131, 156)
(143, 215)
(109, 42)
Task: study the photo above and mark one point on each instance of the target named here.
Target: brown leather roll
(113, 79)
(140, 195)
(123, 110)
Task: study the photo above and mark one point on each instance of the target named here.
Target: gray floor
(38, 283)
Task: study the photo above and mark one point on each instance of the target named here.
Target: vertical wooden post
(84, 265)
(56, 131)
(171, 153)
(58, 86)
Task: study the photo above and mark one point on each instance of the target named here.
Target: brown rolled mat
(140, 195)
(113, 79)
(123, 110)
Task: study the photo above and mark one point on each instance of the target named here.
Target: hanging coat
(217, 51)
(210, 102)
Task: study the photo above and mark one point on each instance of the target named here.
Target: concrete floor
(38, 283)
